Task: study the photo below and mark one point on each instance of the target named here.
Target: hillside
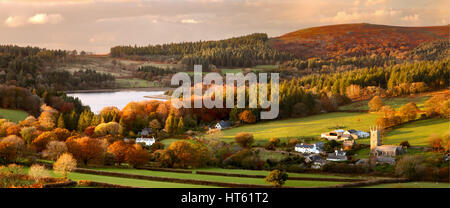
(348, 40)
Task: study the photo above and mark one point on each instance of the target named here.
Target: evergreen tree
(61, 121)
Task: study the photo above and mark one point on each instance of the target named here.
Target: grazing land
(214, 178)
(395, 103)
(134, 83)
(311, 126)
(416, 133)
(13, 115)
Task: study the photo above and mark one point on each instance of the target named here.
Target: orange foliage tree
(188, 154)
(119, 149)
(42, 140)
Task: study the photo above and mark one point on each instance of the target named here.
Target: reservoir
(98, 100)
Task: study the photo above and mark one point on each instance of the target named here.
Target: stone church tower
(375, 137)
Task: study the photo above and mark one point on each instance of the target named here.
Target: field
(311, 126)
(411, 185)
(215, 178)
(416, 133)
(233, 71)
(13, 115)
(395, 103)
(265, 173)
(134, 83)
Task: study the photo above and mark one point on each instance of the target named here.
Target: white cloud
(15, 21)
(189, 21)
(43, 18)
(411, 18)
(374, 2)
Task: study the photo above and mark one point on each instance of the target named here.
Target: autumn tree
(43, 139)
(111, 128)
(61, 121)
(109, 114)
(65, 164)
(169, 127)
(155, 125)
(410, 166)
(276, 177)
(376, 103)
(119, 149)
(244, 139)
(55, 149)
(11, 148)
(137, 156)
(409, 111)
(247, 117)
(38, 172)
(28, 134)
(435, 142)
(180, 126)
(188, 154)
(87, 149)
(61, 134)
(48, 117)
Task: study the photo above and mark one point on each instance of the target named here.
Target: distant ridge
(346, 40)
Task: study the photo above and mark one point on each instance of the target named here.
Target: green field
(411, 185)
(233, 71)
(395, 103)
(131, 182)
(13, 115)
(134, 83)
(226, 179)
(266, 67)
(416, 133)
(265, 173)
(168, 141)
(311, 126)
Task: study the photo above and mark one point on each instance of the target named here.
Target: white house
(147, 141)
(309, 148)
(223, 125)
(360, 134)
(333, 135)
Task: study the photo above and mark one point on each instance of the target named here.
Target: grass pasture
(232, 71)
(416, 133)
(395, 102)
(13, 115)
(134, 83)
(311, 126)
(214, 178)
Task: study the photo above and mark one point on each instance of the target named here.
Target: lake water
(98, 100)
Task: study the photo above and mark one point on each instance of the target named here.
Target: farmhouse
(223, 125)
(342, 135)
(147, 141)
(145, 132)
(309, 148)
(316, 161)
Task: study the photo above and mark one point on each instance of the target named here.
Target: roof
(224, 124)
(309, 146)
(388, 148)
(352, 131)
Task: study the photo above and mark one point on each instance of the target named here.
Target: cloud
(15, 21)
(375, 2)
(411, 18)
(42, 18)
(189, 21)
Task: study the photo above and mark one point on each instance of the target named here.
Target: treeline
(239, 51)
(354, 62)
(13, 97)
(26, 67)
(396, 80)
(150, 72)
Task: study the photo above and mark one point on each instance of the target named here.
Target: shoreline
(147, 89)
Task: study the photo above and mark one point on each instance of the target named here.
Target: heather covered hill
(349, 40)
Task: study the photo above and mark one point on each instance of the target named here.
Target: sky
(97, 25)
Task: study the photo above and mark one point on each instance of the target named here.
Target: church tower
(375, 137)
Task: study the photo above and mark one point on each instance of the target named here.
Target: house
(359, 134)
(316, 161)
(223, 125)
(337, 156)
(145, 132)
(147, 141)
(333, 135)
(309, 148)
